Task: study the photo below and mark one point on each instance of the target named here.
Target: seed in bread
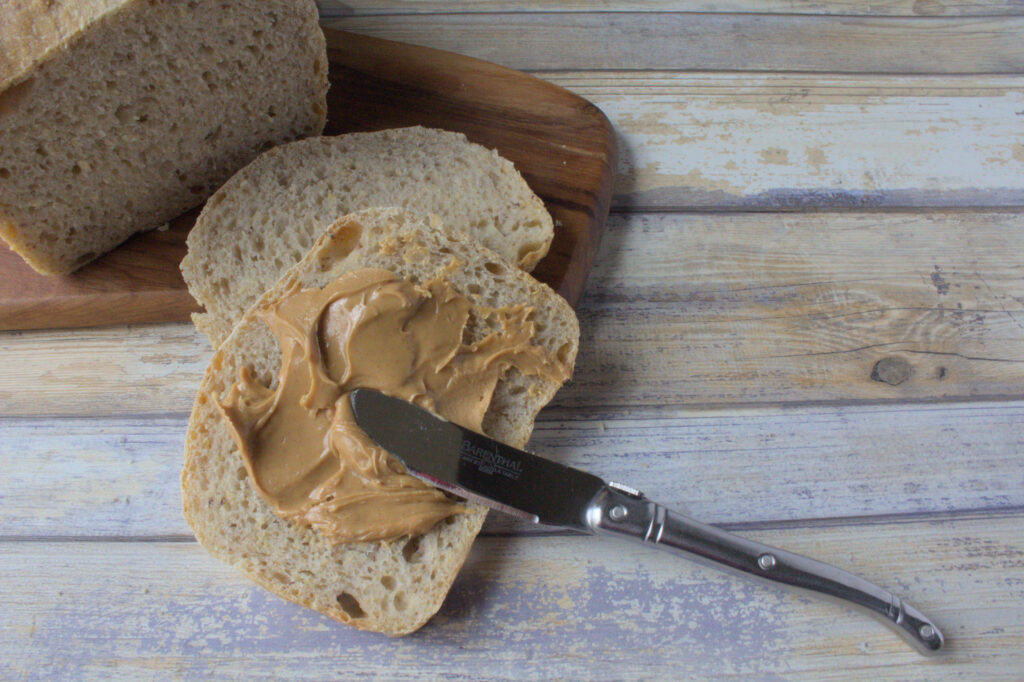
(266, 217)
(392, 587)
(119, 115)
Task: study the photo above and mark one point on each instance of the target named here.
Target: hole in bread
(399, 601)
(5, 173)
(388, 582)
(563, 352)
(473, 289)
(410, 549)
(241, 473)
(350, 605)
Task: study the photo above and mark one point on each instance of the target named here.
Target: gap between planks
(999, 8)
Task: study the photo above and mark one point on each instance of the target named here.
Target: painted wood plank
(92, 477)
(339, 8)
(154, 368)
(698, 310)
(528, 608)
(799, 142)
(713, 42)
(745, 468)
(684, 309)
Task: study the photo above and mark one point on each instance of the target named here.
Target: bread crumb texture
(390, 587)
(119, 115)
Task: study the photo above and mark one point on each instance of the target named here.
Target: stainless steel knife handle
(620, 511)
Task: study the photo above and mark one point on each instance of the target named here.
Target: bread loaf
(266, 217)
(392, 587)
(118, 115)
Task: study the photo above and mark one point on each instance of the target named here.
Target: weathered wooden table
(806, 324)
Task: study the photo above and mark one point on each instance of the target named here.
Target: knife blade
(531, 487)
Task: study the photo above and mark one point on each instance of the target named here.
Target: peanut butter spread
(302, 449)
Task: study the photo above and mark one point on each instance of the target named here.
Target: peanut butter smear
(302, 449)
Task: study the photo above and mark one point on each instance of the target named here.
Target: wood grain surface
(804, 324)
(562, 145)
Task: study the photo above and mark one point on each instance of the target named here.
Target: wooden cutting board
(562, 144)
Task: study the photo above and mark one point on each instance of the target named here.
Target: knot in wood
(891, 370)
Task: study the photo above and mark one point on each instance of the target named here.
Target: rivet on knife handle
(620, 511)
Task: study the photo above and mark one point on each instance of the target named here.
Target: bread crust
(383, 587)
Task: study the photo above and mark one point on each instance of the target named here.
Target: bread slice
(265, 218)
(118, 115)
(390, 587)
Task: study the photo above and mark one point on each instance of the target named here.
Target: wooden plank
(92, 477)
(698, 310)
(152, 368)
(799, 142)
(339, 8)
(746, 468)
(528, 608)
(712, 42)
(685, 309)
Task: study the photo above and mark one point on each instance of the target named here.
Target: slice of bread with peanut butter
(265, 218)
(380, 292)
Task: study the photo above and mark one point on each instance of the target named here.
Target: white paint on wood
(793, 141)
(525, 608)
(152, 368)
(713, 42)
(92, 477)
(119, 477)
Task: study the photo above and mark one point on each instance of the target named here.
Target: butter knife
(530, 487)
